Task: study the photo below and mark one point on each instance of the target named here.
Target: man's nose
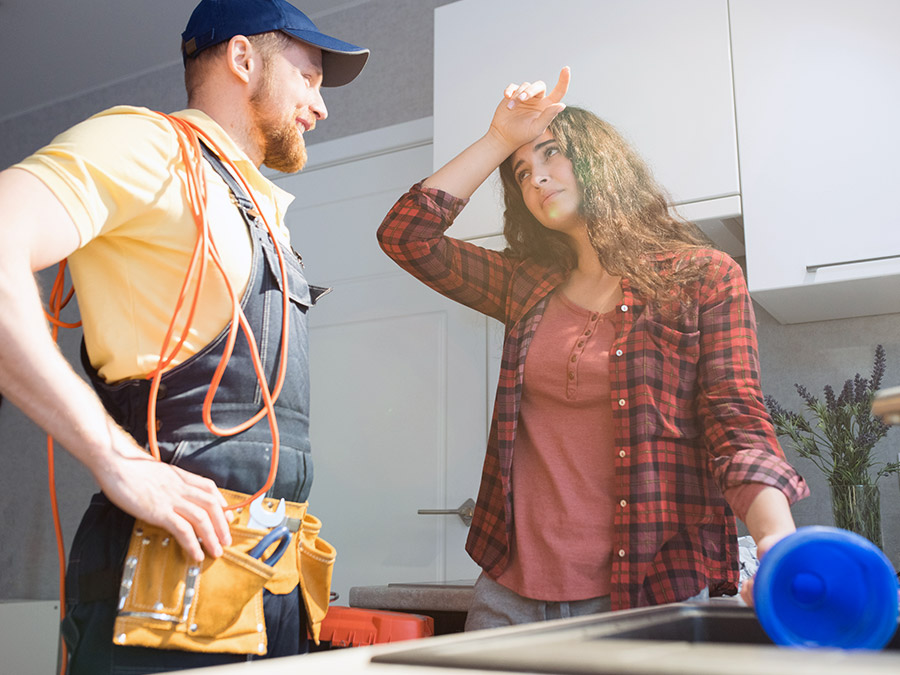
(318, 106)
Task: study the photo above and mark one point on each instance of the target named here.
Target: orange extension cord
(204, 249)
(57, 302)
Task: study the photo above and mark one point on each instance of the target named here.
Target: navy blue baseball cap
(215, 21)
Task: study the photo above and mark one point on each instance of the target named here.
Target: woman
(629, 400)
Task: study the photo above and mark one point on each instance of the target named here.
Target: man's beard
(285, 149)
(284, 146)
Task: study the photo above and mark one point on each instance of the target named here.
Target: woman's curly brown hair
(626, 212)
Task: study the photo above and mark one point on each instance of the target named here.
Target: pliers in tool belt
(282, 535)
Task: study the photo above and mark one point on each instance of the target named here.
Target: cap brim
(341, 61)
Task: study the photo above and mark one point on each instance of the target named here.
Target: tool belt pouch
(168, 601)
(315, 562)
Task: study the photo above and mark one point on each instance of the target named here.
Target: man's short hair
(195, 67)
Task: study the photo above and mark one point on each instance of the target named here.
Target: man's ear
(242, 58)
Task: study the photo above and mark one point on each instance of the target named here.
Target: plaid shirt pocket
(664, 380)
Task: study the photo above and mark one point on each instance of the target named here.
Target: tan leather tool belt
(167, 601)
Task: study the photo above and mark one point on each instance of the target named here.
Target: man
(110, 195)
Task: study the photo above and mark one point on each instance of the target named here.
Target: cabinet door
(398, 379)
(817, 86)
(657, 70)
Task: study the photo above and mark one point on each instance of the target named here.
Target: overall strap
(241, 198)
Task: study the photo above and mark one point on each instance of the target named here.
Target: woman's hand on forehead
(527, 110)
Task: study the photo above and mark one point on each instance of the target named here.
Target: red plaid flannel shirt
(689, 413)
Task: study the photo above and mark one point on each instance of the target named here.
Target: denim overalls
(238, 463)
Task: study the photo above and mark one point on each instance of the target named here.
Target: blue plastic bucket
(827, 587)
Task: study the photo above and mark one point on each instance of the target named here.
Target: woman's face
(547, 181)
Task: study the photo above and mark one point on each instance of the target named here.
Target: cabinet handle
(811, 269)
(465, 511)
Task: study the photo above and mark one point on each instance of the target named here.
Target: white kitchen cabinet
(817, 87)
(658, 70)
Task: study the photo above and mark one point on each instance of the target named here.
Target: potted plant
(838, 438)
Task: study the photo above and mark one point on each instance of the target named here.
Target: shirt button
(587, 332)
(574, 357)
(594, 317)
(619, 352)
(621, 453)
(623, 503)
(581, 343)
(621, 402)
(624, 308)
(571, 376)
(621, 552)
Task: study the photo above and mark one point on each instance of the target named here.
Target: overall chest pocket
(668, 374)
(298, 289)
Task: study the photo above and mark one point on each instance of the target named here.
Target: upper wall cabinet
(817, 89)
(658, 70)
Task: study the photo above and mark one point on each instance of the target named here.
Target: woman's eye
(522, 175)
(549, 152)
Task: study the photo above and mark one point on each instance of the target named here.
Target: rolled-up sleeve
(737, 427)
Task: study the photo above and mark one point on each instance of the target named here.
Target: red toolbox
(354, 627)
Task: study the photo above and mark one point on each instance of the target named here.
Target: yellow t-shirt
(119, 176)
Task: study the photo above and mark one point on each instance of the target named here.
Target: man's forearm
(35, 377)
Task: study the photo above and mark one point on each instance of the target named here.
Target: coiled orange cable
(195, 185)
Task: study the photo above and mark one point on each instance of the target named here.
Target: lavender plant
(840, 438)
(839, 441)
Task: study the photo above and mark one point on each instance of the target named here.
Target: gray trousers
(494, 606)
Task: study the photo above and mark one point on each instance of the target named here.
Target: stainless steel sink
(709, 636)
